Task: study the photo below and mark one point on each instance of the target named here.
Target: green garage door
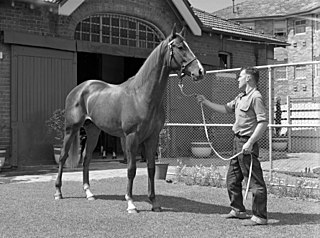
(41, 79)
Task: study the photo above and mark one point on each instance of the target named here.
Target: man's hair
(253, 72)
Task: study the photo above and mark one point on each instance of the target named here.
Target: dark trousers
(238, 170)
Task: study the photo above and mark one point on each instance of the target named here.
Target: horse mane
(150, 64)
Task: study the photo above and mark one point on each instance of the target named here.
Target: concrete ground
(107, 168)
(99, 169)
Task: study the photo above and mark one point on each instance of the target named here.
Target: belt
(240, 136)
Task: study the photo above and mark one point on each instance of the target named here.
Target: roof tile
(219, 24)
(268, 8)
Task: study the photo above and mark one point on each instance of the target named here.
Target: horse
(133, 111)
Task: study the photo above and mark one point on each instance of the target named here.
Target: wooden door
(41, 79)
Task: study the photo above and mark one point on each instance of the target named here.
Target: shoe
(236, 215)
(256, 221)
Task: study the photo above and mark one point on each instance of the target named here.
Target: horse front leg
(150, 152)
(92, 138)
(129, 197)
(130, 148)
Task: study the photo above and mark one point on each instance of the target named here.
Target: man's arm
(214, 106)
(258, 132)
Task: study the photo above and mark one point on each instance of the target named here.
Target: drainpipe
(312, 54)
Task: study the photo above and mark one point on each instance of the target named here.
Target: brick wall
(41, 21)
(156, 12)
(304, 47)
(5, 96)
(21, 18)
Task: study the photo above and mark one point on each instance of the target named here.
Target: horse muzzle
(197, 76)
(196, 70)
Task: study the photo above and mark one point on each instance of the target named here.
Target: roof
(268, 8)
(218, 24)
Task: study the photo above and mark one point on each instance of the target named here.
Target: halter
(184, 65)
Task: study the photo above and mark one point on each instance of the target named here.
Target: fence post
(289, 123)
(270, 121)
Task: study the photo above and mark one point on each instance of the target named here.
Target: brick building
(298, 23)
(47, 47)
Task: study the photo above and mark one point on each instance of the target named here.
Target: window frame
(222, 63)
(317, 19)
(296, 76)
(317, 70)
(300, 25)
(120, 30)
(279, 27)
(280, 78)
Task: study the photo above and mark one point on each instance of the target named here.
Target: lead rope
(207, 137)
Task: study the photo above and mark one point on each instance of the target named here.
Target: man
(250, 124)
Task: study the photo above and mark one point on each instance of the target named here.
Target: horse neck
(151, 79)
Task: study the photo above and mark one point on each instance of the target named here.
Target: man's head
(248, 75)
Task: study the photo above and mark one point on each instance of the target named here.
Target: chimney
(234, 11)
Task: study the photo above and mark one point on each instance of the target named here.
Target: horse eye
(180, 46)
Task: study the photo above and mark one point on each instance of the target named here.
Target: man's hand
(201, 98)
(247, 148)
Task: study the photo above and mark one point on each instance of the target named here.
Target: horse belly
(108, 120)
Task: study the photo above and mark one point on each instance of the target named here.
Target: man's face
(242, 80)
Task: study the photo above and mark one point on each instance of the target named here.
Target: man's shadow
(180, 204)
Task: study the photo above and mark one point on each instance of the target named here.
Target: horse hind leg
(71, 136)
(92, 138)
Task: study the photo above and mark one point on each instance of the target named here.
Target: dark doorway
(111, 69)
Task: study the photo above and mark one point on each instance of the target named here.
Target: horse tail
(74, 153)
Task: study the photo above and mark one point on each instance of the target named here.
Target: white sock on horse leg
(89, 194)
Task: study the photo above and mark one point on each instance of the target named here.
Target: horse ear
(173, 31)
(183, 32)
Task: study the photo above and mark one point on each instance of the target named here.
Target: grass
(29, 210)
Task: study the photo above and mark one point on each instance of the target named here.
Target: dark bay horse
(132, 111)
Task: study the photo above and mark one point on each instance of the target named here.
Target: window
(280, 73)
(317, 68)
(304, 87)
(317, 19)
(280, 28)
(225, 60)
(300, 72)
(300, 26)
(118, 30)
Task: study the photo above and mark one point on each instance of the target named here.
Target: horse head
(182, 58)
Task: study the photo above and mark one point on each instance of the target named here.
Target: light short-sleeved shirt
(249, 111)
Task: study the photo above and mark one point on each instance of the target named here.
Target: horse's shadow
(174, 204)
(179, 204)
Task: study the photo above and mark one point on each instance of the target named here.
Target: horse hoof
(132, 211)
(58, 197)
(156, 209)
(91, 198)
